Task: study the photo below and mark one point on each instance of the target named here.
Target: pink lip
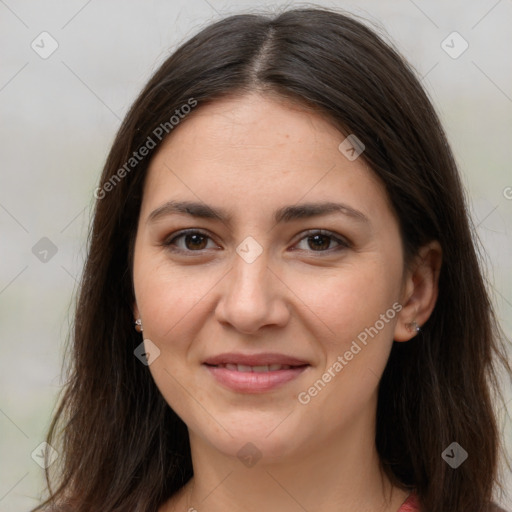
(254, 382)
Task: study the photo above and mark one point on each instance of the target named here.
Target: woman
(282, 306)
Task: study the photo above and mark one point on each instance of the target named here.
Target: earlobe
(137, 320)
(420, 292)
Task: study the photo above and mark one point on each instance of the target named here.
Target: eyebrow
(284, 214)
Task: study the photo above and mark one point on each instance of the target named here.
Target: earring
(413, 326)
(138, 325)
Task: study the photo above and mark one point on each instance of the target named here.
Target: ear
(419, 291)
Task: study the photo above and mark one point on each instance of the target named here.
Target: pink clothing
(411, 504)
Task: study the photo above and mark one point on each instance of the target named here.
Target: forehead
(252, 125)
(254, 152)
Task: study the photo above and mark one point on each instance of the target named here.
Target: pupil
(318, 238)
(195, 242)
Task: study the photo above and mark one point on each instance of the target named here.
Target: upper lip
(254, 359)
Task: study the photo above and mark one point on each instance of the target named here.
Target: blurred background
(70, 71)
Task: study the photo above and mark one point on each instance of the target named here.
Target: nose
(253, 296)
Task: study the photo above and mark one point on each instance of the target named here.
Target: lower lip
(254, 382)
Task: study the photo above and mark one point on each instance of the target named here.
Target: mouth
(257, 373)
(257, 369)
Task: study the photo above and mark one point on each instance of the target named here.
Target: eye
(191, 241)
(197, 241)
(320, 241)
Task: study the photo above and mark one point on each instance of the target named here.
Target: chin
(251, 438)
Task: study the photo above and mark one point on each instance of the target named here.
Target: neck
(339, 473)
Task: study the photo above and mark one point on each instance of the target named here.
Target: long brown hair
(122, 447)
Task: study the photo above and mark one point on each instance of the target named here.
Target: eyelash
(343, 243)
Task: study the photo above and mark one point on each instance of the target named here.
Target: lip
(254, 359)
(254, 381)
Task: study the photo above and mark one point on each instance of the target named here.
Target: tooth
(230, 366)
(260, 369)
(274, 367)
(285, 367)
(244, 368)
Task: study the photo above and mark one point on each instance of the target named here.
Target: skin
(251, 155)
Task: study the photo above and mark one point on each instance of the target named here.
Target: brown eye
(189, 241)
(195, 241)
(319, 241)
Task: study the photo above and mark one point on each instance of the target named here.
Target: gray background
(59, 116)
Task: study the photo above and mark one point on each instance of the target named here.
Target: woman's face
(275, 319)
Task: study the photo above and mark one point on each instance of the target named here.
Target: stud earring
(413, 326)
(138, 325)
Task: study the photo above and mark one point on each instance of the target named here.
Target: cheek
(172, 305)
(347, 300)
(355, 323)
(170, 299)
